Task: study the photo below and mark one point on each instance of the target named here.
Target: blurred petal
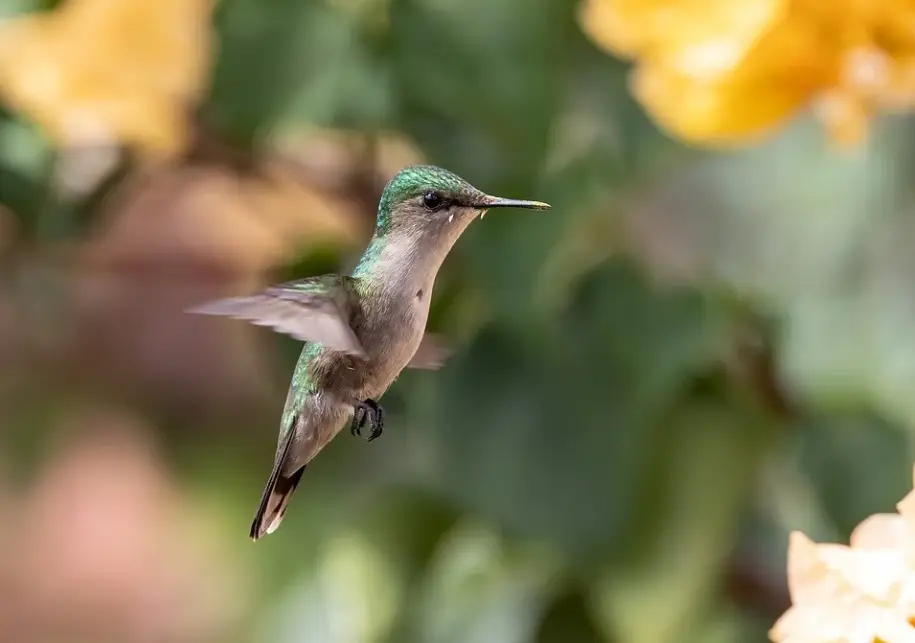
(722, 72)
(701, 34)
(716, 112)
(844, 116)
(906, 506)
(845, 594)
(900, 90)
(880, 531)
(741, 103)
(94, 72)
(805, 569)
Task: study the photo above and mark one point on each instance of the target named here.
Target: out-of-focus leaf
(7, 225)
(265, 59)
(776, 221)
(302, 62)
(347, 73)
(25, 168)
(22, 196)
(46, 188)
(479, 590)
(13, 8)
(479, 95)
(569, 619)
(351, 596)
(700, 480)
(838, 458)
(552, 438)
(723, 625)
(823, 240)
(477, 83)
(23, 149)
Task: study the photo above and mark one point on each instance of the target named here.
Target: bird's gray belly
(354, 379)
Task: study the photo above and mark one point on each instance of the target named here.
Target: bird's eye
(432, 200)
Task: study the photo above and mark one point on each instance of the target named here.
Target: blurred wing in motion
(431, 354)
(316, 309)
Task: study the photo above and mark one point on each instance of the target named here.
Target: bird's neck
(400, 261)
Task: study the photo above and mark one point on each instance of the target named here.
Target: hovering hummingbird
(361, 330)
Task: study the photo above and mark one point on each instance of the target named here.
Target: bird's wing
(431, 354)
(316, 309)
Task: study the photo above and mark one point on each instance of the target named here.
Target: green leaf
(26, 163)
(480, 589)
(478, 85)
(821, 239)
(838, 458)
(260, 62)
(478, 81)
(15, 8)
(701, 481)
(352, 595)
(552, 438)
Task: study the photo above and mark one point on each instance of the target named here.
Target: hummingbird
(361, 330)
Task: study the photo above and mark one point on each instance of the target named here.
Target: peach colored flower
(731, 71)
(843, 595)
(861, 593)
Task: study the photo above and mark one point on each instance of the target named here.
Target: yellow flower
(862, 593)
(100, 72)
(723, 72)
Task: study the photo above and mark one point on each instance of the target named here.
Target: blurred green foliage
(609, 464)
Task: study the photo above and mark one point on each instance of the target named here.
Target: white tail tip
(274, 524)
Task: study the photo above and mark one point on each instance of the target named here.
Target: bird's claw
(368, 412)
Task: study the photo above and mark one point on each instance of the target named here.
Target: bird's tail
(276, 495)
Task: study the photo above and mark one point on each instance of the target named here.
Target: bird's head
(427, 200)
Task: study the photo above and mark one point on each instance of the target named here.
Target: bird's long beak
(489, 202)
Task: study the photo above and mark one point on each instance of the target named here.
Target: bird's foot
(368, 412)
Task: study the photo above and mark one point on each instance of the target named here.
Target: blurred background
(706, 343)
